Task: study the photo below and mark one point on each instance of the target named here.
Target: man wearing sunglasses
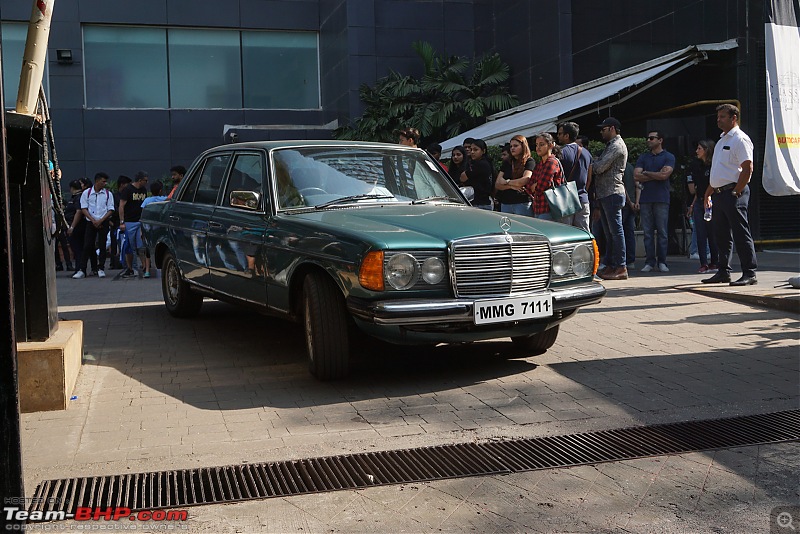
(608, 170)
(653, 170)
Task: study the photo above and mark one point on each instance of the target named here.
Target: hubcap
(307, 322)
(172, 283)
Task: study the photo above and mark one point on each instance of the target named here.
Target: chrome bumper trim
(407, 312)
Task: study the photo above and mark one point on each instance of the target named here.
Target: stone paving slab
(228, 387)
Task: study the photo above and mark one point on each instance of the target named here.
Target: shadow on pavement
(229, 357)
(602, 308)
(713, 318)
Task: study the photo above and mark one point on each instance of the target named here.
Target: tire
(326, 328)
(537, 343)
(179, 298)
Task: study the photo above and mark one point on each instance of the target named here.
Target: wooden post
(33, 60)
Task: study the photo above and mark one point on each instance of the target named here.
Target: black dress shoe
(745, 281)
(719, 278)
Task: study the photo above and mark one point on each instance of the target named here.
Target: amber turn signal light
(596, 256)
(370, 276)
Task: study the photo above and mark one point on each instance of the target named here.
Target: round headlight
(433, 270)
(582, 260)
(560, 263)
(401, 271)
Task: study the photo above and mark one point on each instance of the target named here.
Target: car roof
(269, 145)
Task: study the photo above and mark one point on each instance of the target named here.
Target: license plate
(513, 309)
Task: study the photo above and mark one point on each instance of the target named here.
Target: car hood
(429, 225)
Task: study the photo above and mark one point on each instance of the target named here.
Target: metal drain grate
(170, 489)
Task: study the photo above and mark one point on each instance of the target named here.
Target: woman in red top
(545, 174)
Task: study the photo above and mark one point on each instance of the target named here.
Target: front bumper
(451, 311)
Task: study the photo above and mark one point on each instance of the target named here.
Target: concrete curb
(782, 302)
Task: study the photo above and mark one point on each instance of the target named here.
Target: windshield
(339, 175)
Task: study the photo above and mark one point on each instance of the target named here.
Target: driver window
(247, 174)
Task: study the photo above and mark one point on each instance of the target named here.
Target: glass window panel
(190, 189)
(13, 47)
(205, 69)
(125, 67)
(313, 176)
(211, 180)
(281, 70)
(247, 175)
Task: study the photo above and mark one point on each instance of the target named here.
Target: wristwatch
(508, 181)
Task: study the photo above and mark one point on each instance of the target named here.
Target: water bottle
(707, 214)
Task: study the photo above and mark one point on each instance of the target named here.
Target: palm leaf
(454, 94)
(426, 53)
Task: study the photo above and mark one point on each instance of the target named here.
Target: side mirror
(248, 200)
(469, 192)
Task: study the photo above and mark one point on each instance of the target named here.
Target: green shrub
(636, 146)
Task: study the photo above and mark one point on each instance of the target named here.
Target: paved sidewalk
(159, 393)
(772, 290)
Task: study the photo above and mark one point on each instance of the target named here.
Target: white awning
(543, 114)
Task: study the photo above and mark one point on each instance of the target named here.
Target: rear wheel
(326, 328)
(537, 343)
(179, 298)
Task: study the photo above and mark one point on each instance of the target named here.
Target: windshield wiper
(351, 198)
(431, 199)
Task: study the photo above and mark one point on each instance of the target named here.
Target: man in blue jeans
(607, 171)
(653, 170)
(629, 213)
(130, 210)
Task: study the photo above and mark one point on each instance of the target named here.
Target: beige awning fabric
(542, 115)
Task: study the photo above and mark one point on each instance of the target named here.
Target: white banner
(782, 151)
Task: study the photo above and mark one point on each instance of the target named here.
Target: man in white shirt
(97, 205)
(731, 169)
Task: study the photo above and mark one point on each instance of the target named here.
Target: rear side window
(206, 183)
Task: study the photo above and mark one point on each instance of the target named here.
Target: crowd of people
(104, 223)
(612, 192)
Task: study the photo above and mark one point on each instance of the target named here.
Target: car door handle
(214, 225)
(174, 218)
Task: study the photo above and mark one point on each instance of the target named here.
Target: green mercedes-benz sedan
(363, 238)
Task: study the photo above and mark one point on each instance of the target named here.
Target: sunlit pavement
(228, 387)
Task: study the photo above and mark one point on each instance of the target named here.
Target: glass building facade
(153, 83)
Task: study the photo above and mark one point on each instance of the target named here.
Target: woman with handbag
(546, 175)
(514, 176)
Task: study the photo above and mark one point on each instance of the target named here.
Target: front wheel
(325, 322)
(179, 298)
(538, 343)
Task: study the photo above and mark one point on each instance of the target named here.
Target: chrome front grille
(499, 265)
